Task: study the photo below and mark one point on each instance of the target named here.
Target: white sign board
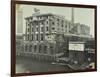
(76, 47)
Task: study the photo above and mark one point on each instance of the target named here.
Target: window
(28, 29)
(42, 29)
(35, 47)
(37, 37)
(35, 22)
(47, 28)
(58, 20)
(47, 22)
(62, 21)
(53, 28)
(46, 17)
(37, 29)
(62, 25)
(41, 37)
(32, 37)
(30, 48)
(52, 23)
(45, 48)
(51, 48)
(66, 26)
(40, 47)
(42, 23)
(27, 36)
(37, 17)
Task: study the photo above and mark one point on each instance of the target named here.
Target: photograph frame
(13, 35)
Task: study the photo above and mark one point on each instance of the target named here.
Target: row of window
(35, 48)
(42, 29)
(38, 48)
(37, 23)
(31, 37)
(47, 28)
(37, 29)
(42, 23)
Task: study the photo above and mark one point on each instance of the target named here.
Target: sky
(81, 15)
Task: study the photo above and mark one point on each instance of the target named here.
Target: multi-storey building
(41, 31)
(45, 33)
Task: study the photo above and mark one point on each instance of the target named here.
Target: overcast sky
(81, 15)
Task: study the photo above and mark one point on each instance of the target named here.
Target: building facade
(46, 35)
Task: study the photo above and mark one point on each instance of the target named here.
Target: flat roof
(47, 14)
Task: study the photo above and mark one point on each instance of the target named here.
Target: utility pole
(72, 23)
(72, 16)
